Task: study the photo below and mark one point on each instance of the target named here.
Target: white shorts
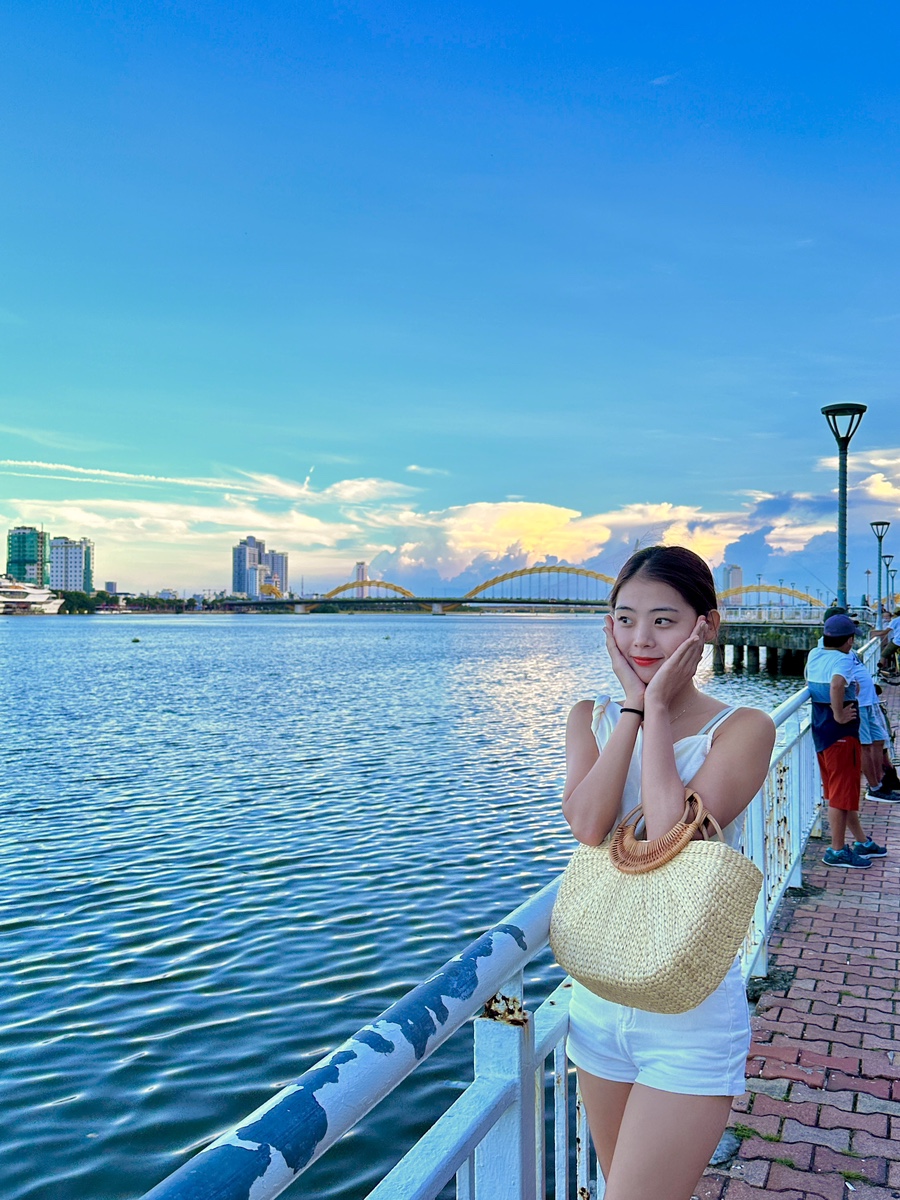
(702, 1052)
(872, 727)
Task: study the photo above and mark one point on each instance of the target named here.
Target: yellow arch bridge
(555, 585)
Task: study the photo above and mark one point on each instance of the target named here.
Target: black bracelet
(638, 712)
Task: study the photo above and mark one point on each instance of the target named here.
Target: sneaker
(870, 849)
(883, 794)
(845, 858)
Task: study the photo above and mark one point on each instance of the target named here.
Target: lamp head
(887, 559)
(843, 420)
(880, 528)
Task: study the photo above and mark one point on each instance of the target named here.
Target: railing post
(755, 840)
(504, 1049)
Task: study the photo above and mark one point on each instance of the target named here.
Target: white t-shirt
(865, 684)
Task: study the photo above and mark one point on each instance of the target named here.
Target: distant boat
(17, 597)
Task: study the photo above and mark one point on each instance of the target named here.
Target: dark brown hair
(677, 566)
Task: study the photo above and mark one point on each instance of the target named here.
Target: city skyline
(447, 292)
(69, 565)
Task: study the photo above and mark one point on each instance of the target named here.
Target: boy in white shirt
(835, 729)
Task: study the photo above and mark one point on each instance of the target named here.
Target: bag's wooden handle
(636, 856)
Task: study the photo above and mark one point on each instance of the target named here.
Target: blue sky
(447, 287)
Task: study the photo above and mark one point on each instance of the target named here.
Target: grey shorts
(872, 727)
(702, 1052)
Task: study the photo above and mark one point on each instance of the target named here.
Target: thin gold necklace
(672, 720)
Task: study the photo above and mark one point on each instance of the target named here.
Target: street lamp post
(893, 575)
(868, 587)
(843, 421)
(887, 559)
(879, 528)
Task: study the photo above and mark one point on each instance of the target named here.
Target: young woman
(658, 1088)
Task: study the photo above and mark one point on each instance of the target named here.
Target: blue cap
(840, 625)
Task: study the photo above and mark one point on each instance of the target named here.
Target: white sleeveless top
(690, 754)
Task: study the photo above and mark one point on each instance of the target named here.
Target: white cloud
(55, 440)
(252, 482)
(125, 520)
(101, 475)
(358, 491)
(426, 470)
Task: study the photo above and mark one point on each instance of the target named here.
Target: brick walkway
(821, 1118)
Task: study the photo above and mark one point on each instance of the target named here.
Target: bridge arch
(557, 569)
(369, 583)
(751, 590)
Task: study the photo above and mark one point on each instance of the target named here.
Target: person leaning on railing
(657, 1087)
(890, 645)
(831, 675)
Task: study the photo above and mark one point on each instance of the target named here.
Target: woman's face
(650, 621)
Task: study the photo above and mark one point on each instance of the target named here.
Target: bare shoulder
(580, 716)
(749, 723)
(581, 711)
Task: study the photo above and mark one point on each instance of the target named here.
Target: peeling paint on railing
(265, 1153)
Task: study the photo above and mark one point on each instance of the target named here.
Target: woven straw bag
(655, 925)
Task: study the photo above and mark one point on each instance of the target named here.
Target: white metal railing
(772, 614)
(491, 1141)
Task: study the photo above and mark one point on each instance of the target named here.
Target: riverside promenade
(821, 1118)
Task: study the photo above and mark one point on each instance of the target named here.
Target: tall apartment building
(28, 555)
(277, 566)
(252, 566)
(361, 574)
(72, 564)
(731, 576)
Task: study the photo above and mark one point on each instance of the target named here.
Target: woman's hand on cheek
(679, 669)
(634, 687)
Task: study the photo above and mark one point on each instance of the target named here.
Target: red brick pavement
(821, 1117)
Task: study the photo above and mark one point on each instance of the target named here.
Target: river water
(230, 841)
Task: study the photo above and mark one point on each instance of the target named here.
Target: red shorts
(841, 766)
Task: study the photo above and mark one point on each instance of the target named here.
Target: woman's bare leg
(604, 1103)
(664, 1143)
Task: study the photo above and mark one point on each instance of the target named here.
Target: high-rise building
(361, 575)
(276, 564)
(256, 577)
(732, 576)
(252, 566)
(28, 555)
(244, 556)
(72, 564)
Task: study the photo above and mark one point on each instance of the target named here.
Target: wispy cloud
(124, 521)
(55, 440)
(250, 483)
(426, 470)
(662, 80)
(101, 475)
